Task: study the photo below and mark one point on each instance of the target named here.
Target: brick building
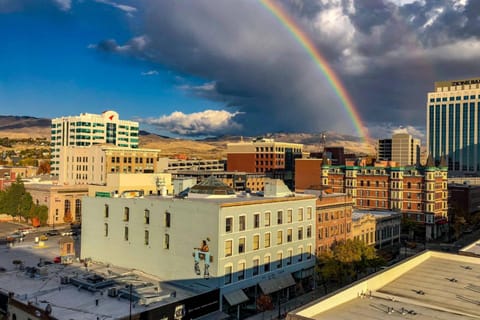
(419, 193)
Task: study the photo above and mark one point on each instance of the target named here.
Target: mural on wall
(200, 254)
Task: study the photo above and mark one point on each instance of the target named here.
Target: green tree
(40, 211)
(16, 201)
(346, 261)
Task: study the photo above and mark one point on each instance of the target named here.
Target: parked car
(52, 233)
(70, 233)
(57, 260)
(15, 236)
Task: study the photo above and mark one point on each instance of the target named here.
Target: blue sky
(50, 67)
(203, 67)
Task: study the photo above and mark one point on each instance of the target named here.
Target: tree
(16, 201)
(41, 212)
(346, 260)
(44, 167)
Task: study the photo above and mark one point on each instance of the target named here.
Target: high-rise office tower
(89, 129)
(405, 149)
(453, 119)
(401, 148)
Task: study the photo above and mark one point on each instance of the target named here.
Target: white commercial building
(89, 129)
(226, 240)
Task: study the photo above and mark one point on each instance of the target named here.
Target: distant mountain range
(21, 127)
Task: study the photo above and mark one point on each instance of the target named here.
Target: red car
(57, 260)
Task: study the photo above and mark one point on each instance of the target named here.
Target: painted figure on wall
(202, 253)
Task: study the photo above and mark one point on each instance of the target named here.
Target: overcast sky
(204, 67)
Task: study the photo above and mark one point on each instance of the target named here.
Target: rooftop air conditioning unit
(112, 292)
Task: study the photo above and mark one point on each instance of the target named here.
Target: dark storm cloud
(388, 56)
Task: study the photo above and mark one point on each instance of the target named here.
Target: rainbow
(321, 62)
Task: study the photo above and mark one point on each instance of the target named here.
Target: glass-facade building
(90, 129)
(453, 119)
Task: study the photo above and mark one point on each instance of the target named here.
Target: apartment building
(244, 245)
(90, 165)
(90, 129)
(334, 219)
(419, 193)
(453, 124)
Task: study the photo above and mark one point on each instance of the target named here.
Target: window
(105, 229)
(167, 219)
(146, 216)
(320, 217)
(290, 257)
(300, 233)
(300, 214)
(228, 224)
(228, 274)
(256, 220)
(266, 242)
(309, 231)
(228, 248)
(125, 234)
(309, 252)
(309, 213)
(106, 211)
(267, 219)
(266, 264)
(279, 217)
(279, 237)
(126, 214)
(256, 242)
(300, 254)
(289, 216)
(241, 270)
(166, 241)
(279, 260)
(241, 245)
(241, 223)
(289, 235)
(146, 238)
(255, 267)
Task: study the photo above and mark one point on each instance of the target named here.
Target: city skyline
(212, 68)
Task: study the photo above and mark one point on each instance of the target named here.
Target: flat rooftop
(357, 214)
(431, 285)
(85, 295)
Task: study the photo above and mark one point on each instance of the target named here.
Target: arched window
(67, 207)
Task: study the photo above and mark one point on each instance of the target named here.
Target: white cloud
(208, 86)
(150, 73)
(206, 122)
(64, 5)
(386, 130)
(129, 10)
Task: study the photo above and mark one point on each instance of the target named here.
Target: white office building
(90, 129)
(245, 245)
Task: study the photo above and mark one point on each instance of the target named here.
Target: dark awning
(235, 297)
(278, 283)
(216, 315)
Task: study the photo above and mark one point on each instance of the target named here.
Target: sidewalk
(288, 306)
